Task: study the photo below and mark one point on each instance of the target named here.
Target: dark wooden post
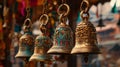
(74, 6)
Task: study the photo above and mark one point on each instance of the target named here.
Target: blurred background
(104, 14)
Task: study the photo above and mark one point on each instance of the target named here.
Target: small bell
(86, 40)
(63, 36)
(26, 41)
(42, 44)
(100, 23)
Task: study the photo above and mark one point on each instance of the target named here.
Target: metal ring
(66, 13)
(87, 5)
(45, 21)
(25, 22)
(62, 18)
(82, 15)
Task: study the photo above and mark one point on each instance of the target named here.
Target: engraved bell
(63, 36)
(42, 43)
(86, 40)
(26, 41)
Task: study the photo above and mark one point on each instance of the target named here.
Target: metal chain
(63, 1)
(84, 6)
(28, 9)
(45, 7)
(84, 9)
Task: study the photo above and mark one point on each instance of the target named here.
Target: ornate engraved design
(26, 39)
(43, 42)
(63, 36)
(86, 33)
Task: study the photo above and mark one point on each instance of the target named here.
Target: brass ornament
(42, 43)
(63, 36)
(26, 41)
(86, 40)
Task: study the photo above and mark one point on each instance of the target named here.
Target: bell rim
(78, 49)
(86, 52)
(38, 60)
(57, 53)
(22, 56)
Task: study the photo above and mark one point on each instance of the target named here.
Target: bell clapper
(85, 56)
(42, 64)
(26, 62)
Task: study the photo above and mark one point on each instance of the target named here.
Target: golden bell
(86, 40)
(26, 42)
(63, 40)
(63, 35)
(42, 44)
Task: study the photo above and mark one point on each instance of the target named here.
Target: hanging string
(63, 1)
(84, 6)
(28, 9)
(84, 10)
(45, 7)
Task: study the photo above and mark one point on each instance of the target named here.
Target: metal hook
(62, 18)
(84, 15)
(85, 9)
(28, 12)
(44, 6)
(64, 13)
(27, 24)
(42, 20)
(28, 9)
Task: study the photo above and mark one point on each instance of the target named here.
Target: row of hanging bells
(85, 42)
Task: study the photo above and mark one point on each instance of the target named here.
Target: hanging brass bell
(42, 44)
(86, 40)
(26, 41)
(63, 40)
(100, 23)
(63, 36)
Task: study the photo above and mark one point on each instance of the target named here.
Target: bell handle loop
(42, 20)
(84, 15)
(85, 9)
(65, 13)
(62, 18)
(26, 23)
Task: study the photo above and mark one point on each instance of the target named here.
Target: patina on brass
(26, 41)
(42, 43)
(86, 40)
(63, 36)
